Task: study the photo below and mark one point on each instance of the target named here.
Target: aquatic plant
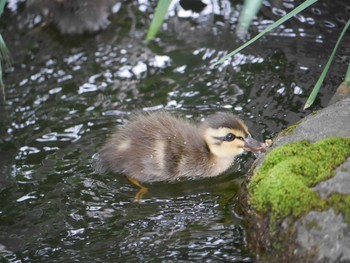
(4, 57)
(271, 27)
(157, 21)
(294, 12)
(319, 82)
(249, 11)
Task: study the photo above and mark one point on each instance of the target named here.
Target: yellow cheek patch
(223, 148)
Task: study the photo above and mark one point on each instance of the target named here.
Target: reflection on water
(66, 95)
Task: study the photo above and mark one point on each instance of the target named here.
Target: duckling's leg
(143, 190)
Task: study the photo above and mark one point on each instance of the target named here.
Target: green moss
(282, 185)
(341, 204)
(313, 224)
(290, 129)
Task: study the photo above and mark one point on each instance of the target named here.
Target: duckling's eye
(230, 137)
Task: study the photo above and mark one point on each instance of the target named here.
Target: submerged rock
(297, 199)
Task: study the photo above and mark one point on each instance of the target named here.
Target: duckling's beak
(253, 145)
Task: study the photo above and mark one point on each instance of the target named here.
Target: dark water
(65, 95)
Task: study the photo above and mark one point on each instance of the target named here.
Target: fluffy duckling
(159, 147)
(75, 16)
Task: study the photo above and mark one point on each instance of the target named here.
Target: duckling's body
(160, 147)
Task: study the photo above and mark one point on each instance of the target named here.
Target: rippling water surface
(65, 95)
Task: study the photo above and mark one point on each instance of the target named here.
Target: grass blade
(4, 52)
(249, 11)
(2, 88)
(4, 56)
(2, 5)
(347, 77)
(319, 82)
(268, 29)
(159, 15)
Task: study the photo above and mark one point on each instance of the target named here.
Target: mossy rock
(296, 199)
(282, 185)
(281, 194)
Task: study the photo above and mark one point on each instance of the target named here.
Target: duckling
(160, 147)
(75, 17)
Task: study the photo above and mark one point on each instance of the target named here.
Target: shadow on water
(65, 95)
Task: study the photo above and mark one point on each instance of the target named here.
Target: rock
(342, 92)
(297, 204)
(331, 121)
(327, 233)
(340, 183)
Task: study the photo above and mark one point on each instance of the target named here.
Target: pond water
(65, 95)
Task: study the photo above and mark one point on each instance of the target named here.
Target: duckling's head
(227, 136)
